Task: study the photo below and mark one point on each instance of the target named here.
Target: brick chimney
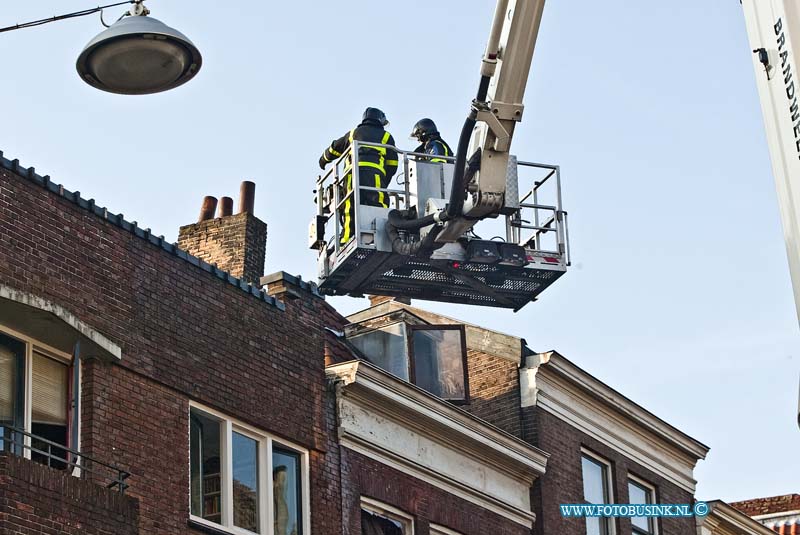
(375, 300)
(235, 243)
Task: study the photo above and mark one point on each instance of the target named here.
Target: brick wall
(772, 504)
(563, 481)
(303, 298)
(37, 500)
(235, 243)
(494, 391)
(362, 476)
(185, 333)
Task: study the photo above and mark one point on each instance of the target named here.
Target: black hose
(483, 88)
(458, 189)
(424, 247)
(428, 244)
(405, 220)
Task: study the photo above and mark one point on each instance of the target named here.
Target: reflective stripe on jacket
(435, 147)
(380, 158)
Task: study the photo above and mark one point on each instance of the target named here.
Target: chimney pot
(207, 210)
(234, 244)
(247, 197)
(225, 207)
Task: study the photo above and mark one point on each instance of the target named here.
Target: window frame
(388, 511)
(651, 494)
(608, 478)
(34, 346)
(436, 529)
(266, 442)
(363, 330)
(410, 324)
(412, 372)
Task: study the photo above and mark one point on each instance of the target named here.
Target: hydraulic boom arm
(418, 244)
(497, 108)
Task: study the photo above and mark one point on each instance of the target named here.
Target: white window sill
(213, 527)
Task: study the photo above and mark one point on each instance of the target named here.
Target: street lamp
(137, 55)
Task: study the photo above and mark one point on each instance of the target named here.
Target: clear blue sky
(679, 297)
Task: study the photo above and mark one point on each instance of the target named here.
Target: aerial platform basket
(507, 271)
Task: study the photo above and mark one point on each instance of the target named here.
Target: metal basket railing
(542, 218)
(55, 455)
(332, 193)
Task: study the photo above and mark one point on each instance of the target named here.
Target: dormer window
(433, 357)
(438, 360)
(386, 347)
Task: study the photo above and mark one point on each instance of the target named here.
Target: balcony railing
(55, 455)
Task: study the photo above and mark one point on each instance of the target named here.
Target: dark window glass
(385, 347)
(640, 494)
(375, 524)
(286, 492)
(245, 482)
(438, 361)
(49, 410)
(12, 389)
(205, 463)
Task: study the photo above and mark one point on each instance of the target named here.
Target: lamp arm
(67, 16)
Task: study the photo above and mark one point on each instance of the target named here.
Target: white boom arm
(506, 91)
(774, 32)
(497, 109)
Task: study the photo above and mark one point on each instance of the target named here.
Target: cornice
(425, 413)
(599, 391)
(557, 386)
(404, 427)
(722, 516)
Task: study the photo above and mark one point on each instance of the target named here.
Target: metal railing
(18, 441)
(332, 195)
(554, 220)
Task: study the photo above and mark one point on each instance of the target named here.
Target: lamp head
(138, 55)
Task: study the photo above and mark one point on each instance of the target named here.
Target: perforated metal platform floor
(367, 271)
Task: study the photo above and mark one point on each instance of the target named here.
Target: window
(439, 360)
(640, 491)
(386, 347)
(36, 397)
(286, 491)
(596, 489)
(232, 466)
(380, 519)
(434, 357)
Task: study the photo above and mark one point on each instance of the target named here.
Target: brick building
(224, 401)
(779, 513)
(602, 447)
(129, 364)
(206, 390)
(723, 519)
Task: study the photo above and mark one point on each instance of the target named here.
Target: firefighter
(427, 134)
(376, 165)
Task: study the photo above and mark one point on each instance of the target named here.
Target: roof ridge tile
(119, 220)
